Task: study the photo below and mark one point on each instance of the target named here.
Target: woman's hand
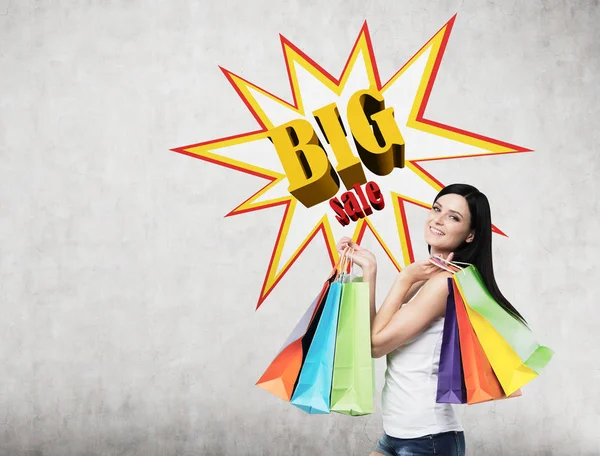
(423, 270)
(360, 256)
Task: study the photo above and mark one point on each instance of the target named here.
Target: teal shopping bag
(313, 392)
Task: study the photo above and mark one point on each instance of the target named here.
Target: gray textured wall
(120, 330)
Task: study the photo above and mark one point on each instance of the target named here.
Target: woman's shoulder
(442, 275)
(438, 281)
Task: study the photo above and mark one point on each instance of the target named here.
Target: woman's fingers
(342, 244)
(354, 245)
(345, 242)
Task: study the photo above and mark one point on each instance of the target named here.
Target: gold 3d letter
(311, 176)
(349, 167)
(381, 147)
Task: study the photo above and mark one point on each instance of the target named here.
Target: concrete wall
(127, 322)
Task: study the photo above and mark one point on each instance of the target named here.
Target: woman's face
(448, 223)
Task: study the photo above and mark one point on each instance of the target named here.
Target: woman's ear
(470, 237)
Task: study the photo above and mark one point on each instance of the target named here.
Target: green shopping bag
(515, 333)
(353, 385)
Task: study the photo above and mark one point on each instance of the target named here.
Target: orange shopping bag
(481, 383)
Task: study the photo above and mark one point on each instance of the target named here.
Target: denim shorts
(450, 443)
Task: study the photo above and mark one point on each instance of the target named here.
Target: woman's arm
(370, 275)
(394, 299)
(396, 327)
(412, 291)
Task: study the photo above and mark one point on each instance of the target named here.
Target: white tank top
(409, 406)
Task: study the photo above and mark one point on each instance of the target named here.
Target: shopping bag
(516, 333)
(281, 376)
(353, 374)
(480, 381)
(313, 392)
(451, 385)
(510, 370)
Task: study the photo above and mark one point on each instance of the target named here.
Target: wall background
(127, 300)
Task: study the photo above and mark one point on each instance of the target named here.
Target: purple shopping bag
(451, 383)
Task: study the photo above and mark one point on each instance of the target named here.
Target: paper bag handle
(455, 264)
(339, 264)
(347, 264)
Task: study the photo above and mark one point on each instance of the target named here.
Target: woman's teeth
(434, 231)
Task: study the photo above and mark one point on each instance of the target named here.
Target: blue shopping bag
(313, 391)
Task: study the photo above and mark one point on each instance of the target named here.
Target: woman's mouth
(436, 232)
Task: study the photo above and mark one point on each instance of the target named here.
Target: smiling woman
(461, 212)
(408, 326)
(446, 225)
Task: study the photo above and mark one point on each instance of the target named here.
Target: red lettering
(350, 209)
(351, 206)
(339, 210)
(363, 200)
(375, 196)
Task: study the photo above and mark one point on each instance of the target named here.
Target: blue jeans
(450, 443)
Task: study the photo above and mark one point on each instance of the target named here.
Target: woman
(408, 326)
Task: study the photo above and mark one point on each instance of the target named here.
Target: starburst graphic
(312, 87)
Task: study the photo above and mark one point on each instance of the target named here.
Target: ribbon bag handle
(443, 266)
(438, 261)
(340, 264)
(350, 266)
(347, 265)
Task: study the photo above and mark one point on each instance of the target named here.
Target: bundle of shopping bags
(325, 365)
(486, 352)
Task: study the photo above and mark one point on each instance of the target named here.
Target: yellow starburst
(407, 91)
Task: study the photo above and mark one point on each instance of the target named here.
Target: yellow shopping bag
(512, 373)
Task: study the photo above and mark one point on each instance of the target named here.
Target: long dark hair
(479, 251)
